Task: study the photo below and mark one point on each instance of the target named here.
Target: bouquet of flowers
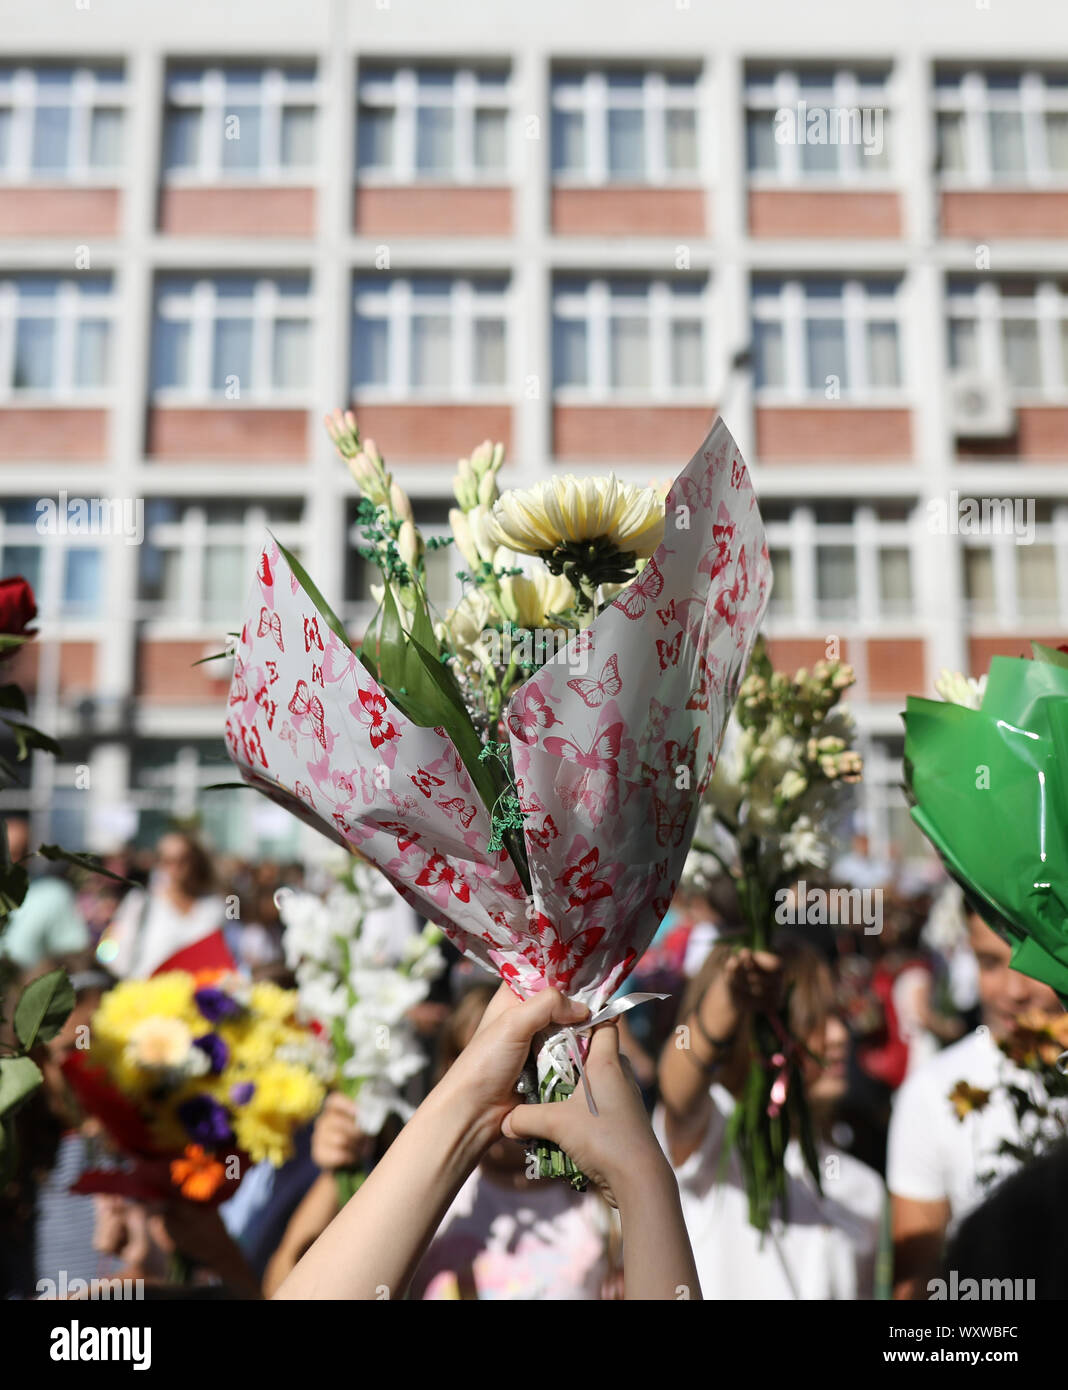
(770, 809)
(355, 988)
(984, 771)
(195, 1077)
(526, 771)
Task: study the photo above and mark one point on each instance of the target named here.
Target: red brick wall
(791, 653)
(237, 211)
(639, 211)
(800, 213)
(831, 433)
(72, 213)
(432, 433)
(1019, 214)
(234, 433)
(167, 675)
(77, 668)
(660, 432)
(896, 666)
(1041, 434)
(447, 211)
(53, 434)
(982, 649)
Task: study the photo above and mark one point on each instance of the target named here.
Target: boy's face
(1004, 992)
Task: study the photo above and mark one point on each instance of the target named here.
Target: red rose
(18, 607)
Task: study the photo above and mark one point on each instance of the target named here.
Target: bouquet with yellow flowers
(195, 1077)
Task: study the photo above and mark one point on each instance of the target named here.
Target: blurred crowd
(890, 1019)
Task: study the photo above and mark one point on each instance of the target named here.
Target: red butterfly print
(304, 793)
(308, 706)
(706, 776)
(341, 821)
(268, 705)
(317, 675)
(464, 812)
(600, 757)
(272, 623)
(544, 837)
(405, 837)
(253, 747)
(287, 734)
(374, 705)
(658, 716)
(565, 957)
(594, 693)
(238, 686)
(266, 577)
(311, 634)
(581, 881)
(425, 782)
(681, 753)
(231, 739)
(716, 559)
(738, 474)
(707, 684)
(438, 872)
(529, 712)
(272, 671)
(728, 601)
(667, 615)
(635, 598)
(668, 652)
(670, 825)
(583, 642)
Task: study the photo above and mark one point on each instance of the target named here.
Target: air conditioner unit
(979, 407)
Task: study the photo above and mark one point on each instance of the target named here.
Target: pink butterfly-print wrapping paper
(612, 742)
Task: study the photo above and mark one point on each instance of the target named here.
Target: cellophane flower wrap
(611, 743)
(195, 1077)
(985, 772)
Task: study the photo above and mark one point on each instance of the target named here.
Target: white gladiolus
(958, 689)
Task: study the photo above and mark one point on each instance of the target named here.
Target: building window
(55, 336)
(231, 337)
(817, 124)
(625, 125)
(198, 558)
(433, 124)
(65, 571)
(630, 337)
(827, 338)
(1016, 573)
(61, 124)
(882, 813)
(838, 561)
(1011, 330)
(234, 124)
(431, 335)
(1002, 126)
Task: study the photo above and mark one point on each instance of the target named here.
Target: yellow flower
(271, 1001)
(160, 1042)
(531, 598)
(567, 510)
(463, 627)
(285, 1097)
(967, 1098)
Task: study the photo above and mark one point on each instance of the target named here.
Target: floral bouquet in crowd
(1035, 1087)
(770, 811)
(525, 771)
(194, 1078)
(354, 986)
(985, 770)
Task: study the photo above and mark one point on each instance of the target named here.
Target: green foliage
(43, 1008)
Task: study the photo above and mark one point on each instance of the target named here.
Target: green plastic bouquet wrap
(988, 782)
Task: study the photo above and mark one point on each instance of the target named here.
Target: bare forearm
(698, 1049)
(658, 1261)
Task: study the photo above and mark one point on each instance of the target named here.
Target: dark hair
(200, 876)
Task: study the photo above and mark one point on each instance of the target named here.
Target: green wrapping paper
(989, 789)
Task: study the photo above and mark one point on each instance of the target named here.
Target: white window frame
(975, 102)
(23, 95)
(393, 300)
(207, 94)
(399, 92)
(593, 304)
(791, 308)
(55, 618)
(200, 305)
(782, 90)
(984, 303)
(1008, 615)
(879, 792)
(653, 98)
(66, 308)
(866, 534)
(192, 535)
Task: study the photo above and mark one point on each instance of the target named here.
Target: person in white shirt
(177, 910)
(826, 1247)
(936, 1162)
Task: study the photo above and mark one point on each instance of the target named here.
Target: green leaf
(43, 1008)
(225, 787)
(9, 641)
(215, 656)
(13, 697)
(14, 883)
(332, 620)
(19, 1078)
(57, 854)
(27, 738)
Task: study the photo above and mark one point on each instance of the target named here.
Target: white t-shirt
(933, 1156)
(148, 929)
(826, 1250)
(544, 1241)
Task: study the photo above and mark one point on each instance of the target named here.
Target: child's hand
(337, 1140)
(616, 1148)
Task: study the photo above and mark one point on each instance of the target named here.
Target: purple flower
(218, 1053)
(206, 1121)
(216, 1004)
(241, 1094)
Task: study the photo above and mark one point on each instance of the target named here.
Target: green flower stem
(551, 1159)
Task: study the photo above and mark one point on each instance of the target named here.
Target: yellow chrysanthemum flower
(568, 510)
(270, 1001)
(531, 598)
